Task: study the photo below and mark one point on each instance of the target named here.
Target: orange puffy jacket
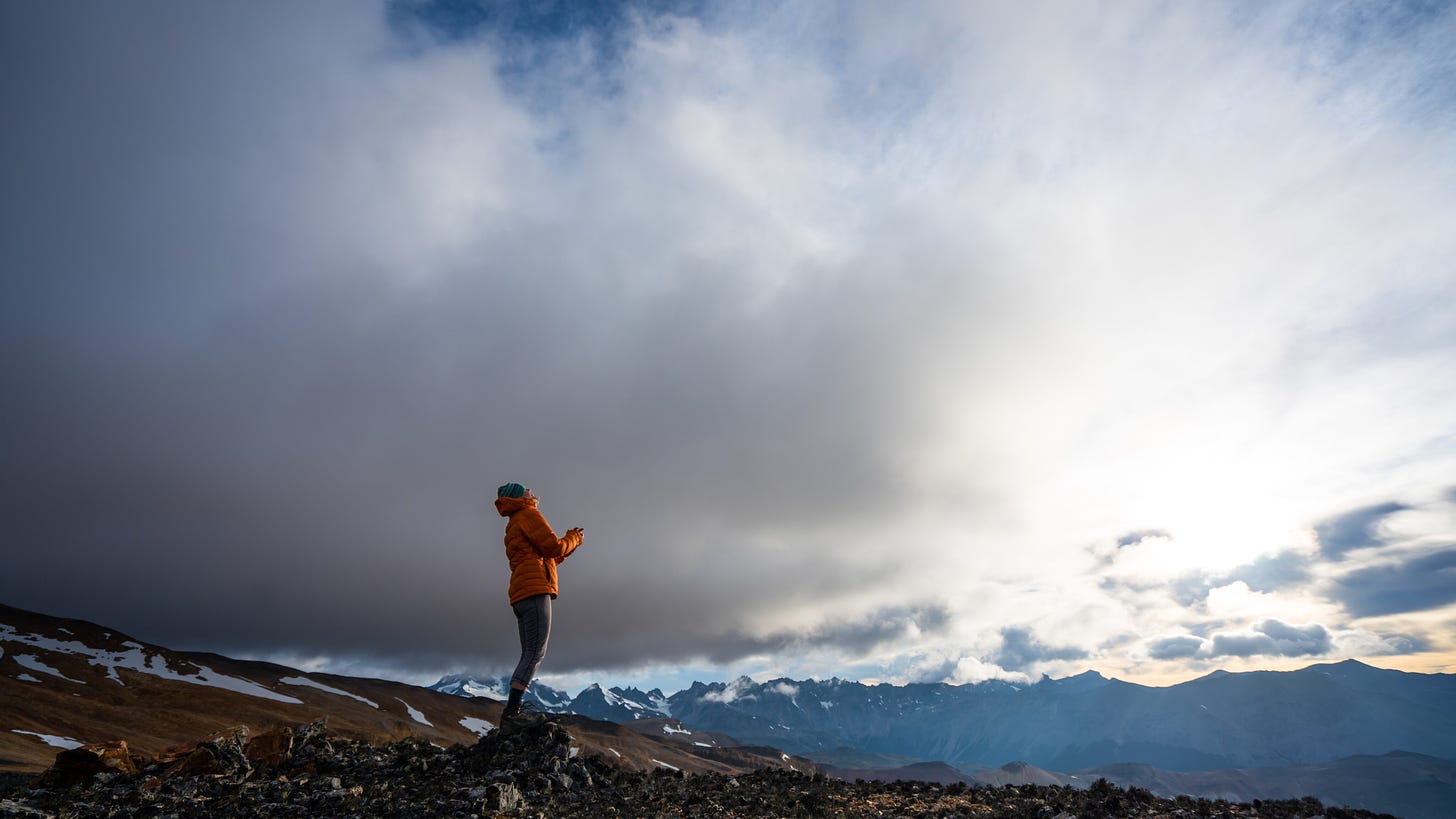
(532, 548)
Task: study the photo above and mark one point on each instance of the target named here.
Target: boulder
(88, 760)
(271, 748)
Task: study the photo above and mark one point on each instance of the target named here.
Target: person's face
(529, 494)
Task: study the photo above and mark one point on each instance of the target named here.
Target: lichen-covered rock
(533, 773)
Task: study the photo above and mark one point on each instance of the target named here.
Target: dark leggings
(533, 618)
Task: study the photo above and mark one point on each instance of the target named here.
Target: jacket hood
(510, 506)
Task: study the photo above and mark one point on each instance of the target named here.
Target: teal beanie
(510, 490)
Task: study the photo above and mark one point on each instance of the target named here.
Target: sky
(907, 342)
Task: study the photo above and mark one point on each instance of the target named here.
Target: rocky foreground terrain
(309, 772)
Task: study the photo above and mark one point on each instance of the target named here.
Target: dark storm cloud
(866, 632)
(688, 637)
(1020, 649)
(759, 300)
(877, 628)
(1356, 529)
(1415, 584)
(260, 389)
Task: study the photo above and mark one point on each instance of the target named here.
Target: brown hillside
(65, 682)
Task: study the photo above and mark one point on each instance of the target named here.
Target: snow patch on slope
(64, 743)
(35, 664)
(304, 681)
(135, 658)
(477, 726)
(415, 714)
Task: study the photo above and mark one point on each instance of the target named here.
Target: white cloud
(972, 670)
(785, 689)
(1175, 647)
(1363, 643)
(731, 692)
(1271, 638)
(1274, 637)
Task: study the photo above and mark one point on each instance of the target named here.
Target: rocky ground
(307, 772)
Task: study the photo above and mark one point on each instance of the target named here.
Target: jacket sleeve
(544, 539)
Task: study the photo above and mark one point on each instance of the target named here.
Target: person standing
(534, 551)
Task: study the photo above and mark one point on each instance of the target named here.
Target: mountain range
(1346, 732)
(1223, 720)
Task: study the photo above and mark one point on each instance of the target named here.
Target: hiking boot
(520, 718)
